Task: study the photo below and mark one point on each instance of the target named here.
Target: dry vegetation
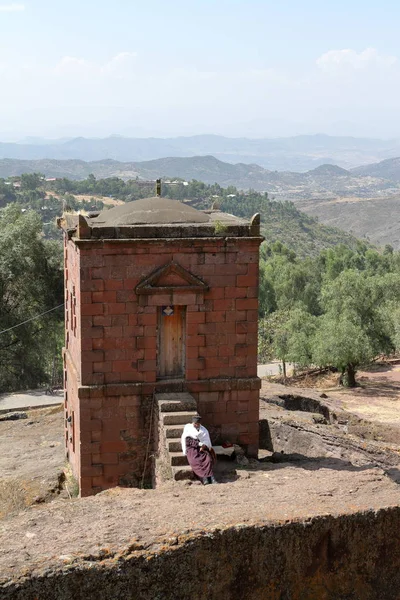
(89, 198)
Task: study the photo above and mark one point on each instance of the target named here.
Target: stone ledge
(183, 241)
(134, 389)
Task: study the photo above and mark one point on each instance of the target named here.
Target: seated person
(196, 444)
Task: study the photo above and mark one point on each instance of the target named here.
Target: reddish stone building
(160, 297)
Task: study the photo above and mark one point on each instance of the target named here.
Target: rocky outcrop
(295, 427)
(352, 557)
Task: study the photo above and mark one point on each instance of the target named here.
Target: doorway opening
(171, 343)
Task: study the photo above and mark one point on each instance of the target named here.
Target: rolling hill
(374, 219)
(324, 182)
(361, 202)
(295, 229)
(386, 169)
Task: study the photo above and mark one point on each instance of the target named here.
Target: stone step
(178, 459)
(173, 431)
(177, 405)
(174, 445)
(176, 402)
(177, 418)
(181, 473)
(160, 396)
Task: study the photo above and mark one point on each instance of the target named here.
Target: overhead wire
(32, 318)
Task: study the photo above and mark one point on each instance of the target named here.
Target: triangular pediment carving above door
(171, 278)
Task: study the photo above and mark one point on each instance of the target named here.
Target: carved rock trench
(297, 428)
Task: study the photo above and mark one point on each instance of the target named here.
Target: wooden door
(171, 342)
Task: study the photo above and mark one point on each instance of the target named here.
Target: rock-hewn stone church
(161, 298)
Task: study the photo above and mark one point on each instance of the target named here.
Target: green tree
(342, 343)
(301, 327)
(354, 327)
(7, 193)
(287, 282)
(266, 296)
(273, 338)
(31, 282)
(287, 335)
(31, 181)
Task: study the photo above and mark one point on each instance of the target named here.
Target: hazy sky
(232, 67)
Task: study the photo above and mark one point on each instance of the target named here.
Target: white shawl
(198, 434)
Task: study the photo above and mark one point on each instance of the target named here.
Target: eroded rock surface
(315, 519)
(296, 425)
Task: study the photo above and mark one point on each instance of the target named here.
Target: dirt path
(378, 397)
(30, 399)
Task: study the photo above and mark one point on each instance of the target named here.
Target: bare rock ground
(122, 520)
(358, 426)
(323, 456)
(31, 459)
(370, 411)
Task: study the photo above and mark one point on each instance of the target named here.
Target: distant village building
(161, 298)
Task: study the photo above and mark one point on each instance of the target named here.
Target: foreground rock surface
(277, 528)
(315, 519)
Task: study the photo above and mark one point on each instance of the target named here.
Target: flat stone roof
(157, 218)
(150, 211)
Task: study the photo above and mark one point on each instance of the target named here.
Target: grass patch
(70, 482)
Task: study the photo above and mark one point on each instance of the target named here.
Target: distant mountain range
(323, 182)
(371, 210)
(300, 153)
(363, 201)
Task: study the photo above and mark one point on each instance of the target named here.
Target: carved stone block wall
(114, 291)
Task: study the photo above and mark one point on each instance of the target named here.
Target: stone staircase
(175, 410)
